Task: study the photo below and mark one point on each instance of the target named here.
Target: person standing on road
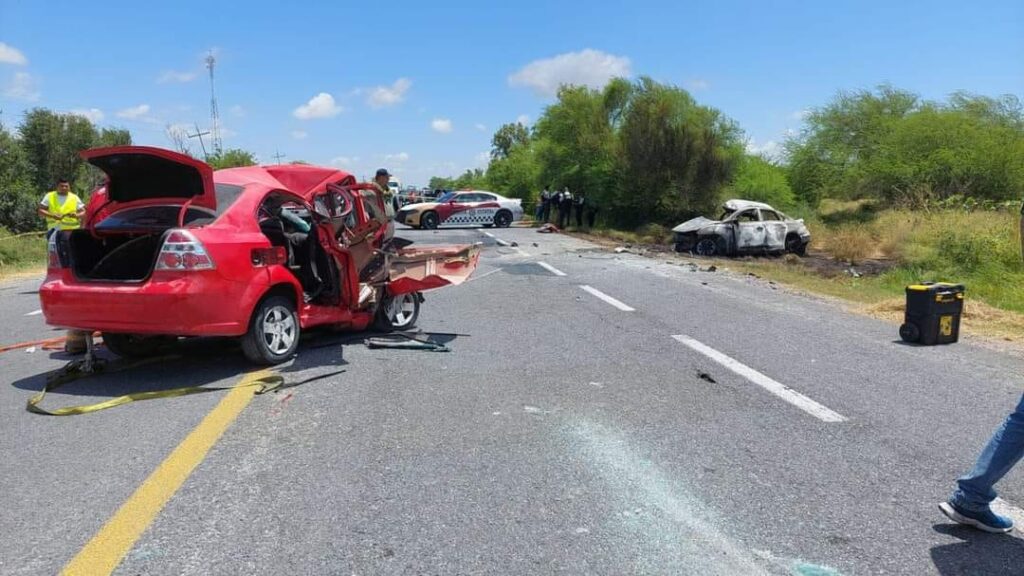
(565, 208)
(578, 205)
(62, 208)
(971, 502)
(591, 210)
(381, 180)
(547, 204)
(544, 205)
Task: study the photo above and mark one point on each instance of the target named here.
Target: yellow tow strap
(73, 372)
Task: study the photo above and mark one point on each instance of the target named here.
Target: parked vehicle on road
(744, 227)
(462, 208)
(171, 248)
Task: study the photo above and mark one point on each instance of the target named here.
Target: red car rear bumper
(199, 304)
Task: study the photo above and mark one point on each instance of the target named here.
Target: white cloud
(174, 77)
(22, 87)
(299, 134)
(770, 149)
(382, 96)
(236, 111)
(397, 158)
(523, 119)
(588, 67)
(134, 113)
(11, 55)
(343, 161)
(698, 84)
(441, 125)
(320, 106)
(94, 115)
(480, 127)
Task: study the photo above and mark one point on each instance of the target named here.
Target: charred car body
(171, 248)
(745, 227)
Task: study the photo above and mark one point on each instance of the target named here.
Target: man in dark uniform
(564, 208)
(578, 204)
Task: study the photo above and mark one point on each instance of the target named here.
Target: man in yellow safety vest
(62, 209)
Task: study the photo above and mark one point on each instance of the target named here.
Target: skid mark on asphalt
(103, 553)
(602, 296)
(781, 390)
(677, 532)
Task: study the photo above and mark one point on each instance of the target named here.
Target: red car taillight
(53, 259)
(182, 252)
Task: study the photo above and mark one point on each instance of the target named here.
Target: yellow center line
(107, 548)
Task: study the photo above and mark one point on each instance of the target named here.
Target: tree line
(45, 147)
(649, 152)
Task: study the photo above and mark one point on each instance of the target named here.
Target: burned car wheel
(794, 245)
(273, 333)
(429, 220)
(709, 247)
(398, 312)
(134, 345)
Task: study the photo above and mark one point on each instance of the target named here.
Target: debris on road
(706, 377)
(429, 341)
(622, 249)
(548, 229)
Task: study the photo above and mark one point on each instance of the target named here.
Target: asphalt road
(606, 414)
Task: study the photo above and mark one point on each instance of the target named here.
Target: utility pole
(199, 134)
(277, 156)
(214, 114)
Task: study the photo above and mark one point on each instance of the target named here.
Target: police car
(463, 208)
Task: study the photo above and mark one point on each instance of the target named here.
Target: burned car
(744, 227)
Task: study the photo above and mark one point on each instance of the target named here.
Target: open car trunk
(416, 269)
(114, 257)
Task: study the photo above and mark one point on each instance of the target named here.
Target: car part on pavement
(409, 341)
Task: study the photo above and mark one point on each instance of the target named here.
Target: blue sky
(419, 87)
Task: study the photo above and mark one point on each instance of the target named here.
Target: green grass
(21, 253)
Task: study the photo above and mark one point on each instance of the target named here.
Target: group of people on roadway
(566, 205)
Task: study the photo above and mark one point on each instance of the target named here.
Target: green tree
(759, 180)
(506, 138)
(231, 158)
(18, 198)
(52, 143)
(516, 175)
(678, 155)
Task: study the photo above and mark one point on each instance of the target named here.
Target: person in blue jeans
(970, 502)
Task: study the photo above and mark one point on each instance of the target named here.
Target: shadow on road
(978, 553)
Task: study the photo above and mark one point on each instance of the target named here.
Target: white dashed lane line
(551, 269)
(781, 390)
(617, 303)
(34, 313)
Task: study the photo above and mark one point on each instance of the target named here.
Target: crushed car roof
(298, 178)
(737, 204)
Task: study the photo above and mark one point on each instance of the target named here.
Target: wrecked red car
(170, 248)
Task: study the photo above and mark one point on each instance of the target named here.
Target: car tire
(503, 219)
(709, 246)
(397, 312)
(429, 220)
(134, 345)
(794, 245)
(274, 330)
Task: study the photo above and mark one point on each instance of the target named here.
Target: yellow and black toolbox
(933, 313)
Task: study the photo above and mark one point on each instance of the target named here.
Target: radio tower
(214, 115)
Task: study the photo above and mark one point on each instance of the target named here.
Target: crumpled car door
(750, 233)
(416, 269)
(775, 232)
